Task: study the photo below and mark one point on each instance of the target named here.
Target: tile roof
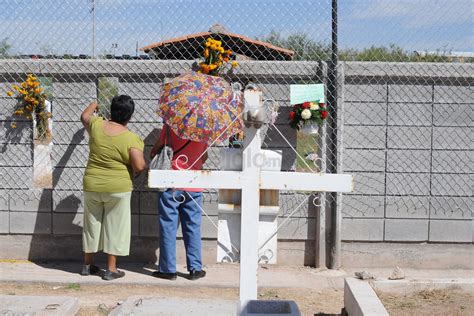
(239, 44)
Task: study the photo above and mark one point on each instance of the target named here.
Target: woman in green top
(115, 154)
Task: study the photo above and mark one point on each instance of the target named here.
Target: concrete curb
(139, 305)
(413, 285)
(136, 305)
(218, 275)
(361, 300)
(38, 305)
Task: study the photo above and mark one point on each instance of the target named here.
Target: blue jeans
(180, 206)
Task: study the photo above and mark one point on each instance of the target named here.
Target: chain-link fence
(408, 103)
(400, 105)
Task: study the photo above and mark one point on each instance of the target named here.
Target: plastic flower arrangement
(215, 57)
(31, 102)
(308, 113)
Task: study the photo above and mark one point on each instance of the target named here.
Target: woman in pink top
(180, 205)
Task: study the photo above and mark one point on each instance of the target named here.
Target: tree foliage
(306, 48)
(392, 53)
(5, 47)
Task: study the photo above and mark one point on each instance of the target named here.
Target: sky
(65, 26)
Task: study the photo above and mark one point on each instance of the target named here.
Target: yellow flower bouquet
(215, 57)
(31, 104)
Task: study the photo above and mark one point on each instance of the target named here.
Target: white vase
(42, 164)
(42, 155)
(309, 129)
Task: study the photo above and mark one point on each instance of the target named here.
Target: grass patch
(73, 286)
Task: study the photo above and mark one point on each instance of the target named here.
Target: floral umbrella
(201, 108)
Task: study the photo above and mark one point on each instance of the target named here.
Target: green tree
(374, 53)
(5, 47)
(392, 53)
(304, 47)
(108, 88)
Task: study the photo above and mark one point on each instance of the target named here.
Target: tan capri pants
(107, 224)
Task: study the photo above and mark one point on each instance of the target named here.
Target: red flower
(292, 115)
(324, 114)
(322, 105)
(306, 105)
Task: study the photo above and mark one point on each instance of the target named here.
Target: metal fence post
(335, 225)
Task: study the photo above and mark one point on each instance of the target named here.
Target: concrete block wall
(57, 213)
(408, 141)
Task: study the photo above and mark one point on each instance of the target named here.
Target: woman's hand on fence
(87, 114)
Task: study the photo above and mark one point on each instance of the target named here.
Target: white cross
(250, 180)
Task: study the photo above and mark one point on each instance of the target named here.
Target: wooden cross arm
(194, 179)
(270, 180)
(304, 181)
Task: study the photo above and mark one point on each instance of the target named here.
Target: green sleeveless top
(108, 168)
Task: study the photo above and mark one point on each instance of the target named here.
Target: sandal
(109, 275)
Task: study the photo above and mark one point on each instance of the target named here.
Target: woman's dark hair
(121, 109)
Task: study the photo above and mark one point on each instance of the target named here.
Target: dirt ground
(100, 299)
(446, 302)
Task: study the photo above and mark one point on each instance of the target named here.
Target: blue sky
(65, 26)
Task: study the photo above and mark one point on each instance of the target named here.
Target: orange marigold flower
(13, 125)
(23, 84)
(9, 93)
(38, 90)
(206, 53)
(234, 64)
(15, 87)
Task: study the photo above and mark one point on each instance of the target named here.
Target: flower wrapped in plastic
(31, 105)
(307, 113)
